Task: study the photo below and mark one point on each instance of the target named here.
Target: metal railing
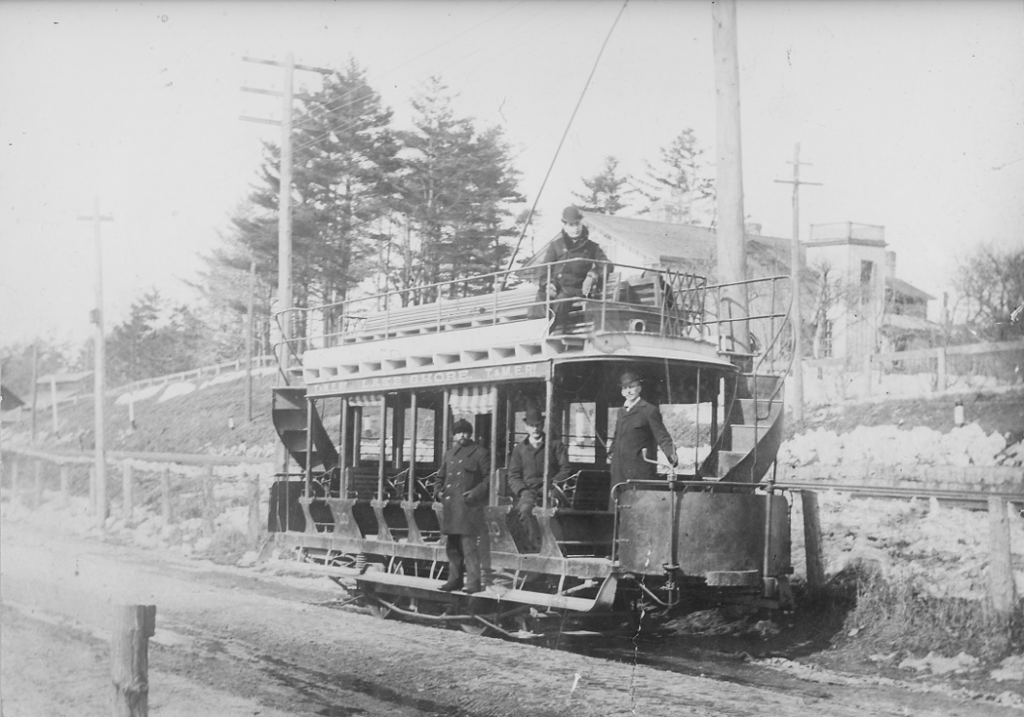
(667, 302)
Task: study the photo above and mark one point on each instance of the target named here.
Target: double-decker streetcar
(381, 380)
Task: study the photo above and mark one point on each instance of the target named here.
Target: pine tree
(606, 190)
(344, 157)
(680, 184)
(456, 190)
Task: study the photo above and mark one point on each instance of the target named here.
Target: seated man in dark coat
(638, 433)
(462, 487)
(526, 473)
(578, 272)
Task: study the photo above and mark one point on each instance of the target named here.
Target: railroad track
(969, 499)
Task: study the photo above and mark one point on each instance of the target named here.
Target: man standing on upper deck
(638, 433)
(462, 487)
(578, 272)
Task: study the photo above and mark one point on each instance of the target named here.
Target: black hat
(533, 417)
(571, 214)
(462, 426)
(628, 377)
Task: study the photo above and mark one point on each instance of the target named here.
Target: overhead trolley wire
(565, 134)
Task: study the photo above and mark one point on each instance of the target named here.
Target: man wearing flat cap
(639, 431)
(526, 473)
(462, 486)
(578, 272)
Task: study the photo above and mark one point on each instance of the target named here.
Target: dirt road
(243, 642)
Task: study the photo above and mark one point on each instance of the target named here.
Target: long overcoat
(639, 430)
(462, 489)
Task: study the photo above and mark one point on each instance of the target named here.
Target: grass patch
(889, 616)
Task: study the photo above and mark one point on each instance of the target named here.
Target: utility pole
(35, 387)
(284, 204)
(99, 366)
(798, 353)
(732, 250)
(248, 341)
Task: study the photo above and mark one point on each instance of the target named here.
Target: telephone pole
(798, 354)
(732, 250)
(99, 366)
(284, 204)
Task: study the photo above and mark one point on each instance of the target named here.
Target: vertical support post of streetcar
(308, 477)
(129, 659)
(383, 446)
(343, 448)
(732, 256)
(410, 492)
(549, 402)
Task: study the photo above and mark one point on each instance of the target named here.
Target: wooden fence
(916, 372)
(176, 486)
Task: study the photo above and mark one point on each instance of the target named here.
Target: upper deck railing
(636, 299)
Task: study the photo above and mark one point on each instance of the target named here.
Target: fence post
(812, 540)
(208, 508)
(255, 523)
(867, 375)
(165, 496)
(129, 658)
(64, 469)
(1000, 572)
(37, 484)
(126, 490)
(92, 488)
(940, 369)
(15, 497)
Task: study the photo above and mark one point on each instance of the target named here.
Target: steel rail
(871, 491)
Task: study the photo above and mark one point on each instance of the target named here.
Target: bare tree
(989, 285)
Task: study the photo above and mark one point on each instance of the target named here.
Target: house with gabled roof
(852, 302)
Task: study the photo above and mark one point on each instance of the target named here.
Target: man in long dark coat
(638, 432)
(462, 486)
(526, 473)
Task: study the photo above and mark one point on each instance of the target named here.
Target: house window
(866, 270)
(826, 339)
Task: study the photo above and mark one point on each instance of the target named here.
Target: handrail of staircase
(765, 353)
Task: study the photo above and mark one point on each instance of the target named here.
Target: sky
(909, 113)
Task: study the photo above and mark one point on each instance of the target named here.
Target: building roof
(669, 241)
(902, 288)
(61, 378)
(9, 400)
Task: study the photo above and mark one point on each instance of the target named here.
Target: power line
(565, 134)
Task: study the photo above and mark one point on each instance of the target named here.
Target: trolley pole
(99, 366)
(798, 353)
(732, 250)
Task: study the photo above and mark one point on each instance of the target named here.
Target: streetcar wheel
(473, 627)
(378, 610)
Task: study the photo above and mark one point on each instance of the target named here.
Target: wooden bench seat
(482, 310)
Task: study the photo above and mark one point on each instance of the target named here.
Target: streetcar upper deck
(494, 326)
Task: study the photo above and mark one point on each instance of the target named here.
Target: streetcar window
(425, 446)
(370, 431)
(580, 432)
